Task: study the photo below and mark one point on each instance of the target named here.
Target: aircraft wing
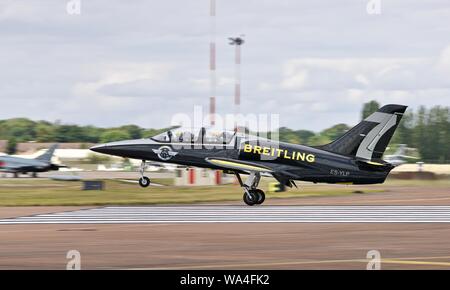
(246, 166)
(407, 157)
(240, 165)
(233, 164)
(400, 156)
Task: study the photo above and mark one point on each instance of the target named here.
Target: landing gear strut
(252, 195)
(144, 181)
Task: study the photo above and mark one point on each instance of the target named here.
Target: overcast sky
(139, 62)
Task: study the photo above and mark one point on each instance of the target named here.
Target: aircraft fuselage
(298, 162)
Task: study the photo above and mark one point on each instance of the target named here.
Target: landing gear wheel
(144, 181)
(250, 198)
(260, 196)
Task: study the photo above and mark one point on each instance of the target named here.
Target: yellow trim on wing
(374, 163)
(225, 163)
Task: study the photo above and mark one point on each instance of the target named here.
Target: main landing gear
(252, 195)
(144, 181)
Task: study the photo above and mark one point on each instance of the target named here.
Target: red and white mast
(237, 42)
(212, 62)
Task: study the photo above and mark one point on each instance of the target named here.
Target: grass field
(43, 192)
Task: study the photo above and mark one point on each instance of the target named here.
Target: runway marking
(241, 214)
(378, 201)
(394, 261)
(404, 261)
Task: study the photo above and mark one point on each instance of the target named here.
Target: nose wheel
(144, 181)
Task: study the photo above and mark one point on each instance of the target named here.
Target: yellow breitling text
(279, 153)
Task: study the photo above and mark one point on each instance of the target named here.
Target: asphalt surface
(241, 244)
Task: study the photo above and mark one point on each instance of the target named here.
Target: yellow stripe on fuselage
(225, 163)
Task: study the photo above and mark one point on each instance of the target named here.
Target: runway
(241, 214)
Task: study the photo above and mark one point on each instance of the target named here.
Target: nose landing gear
(144, 181)
(252, 195)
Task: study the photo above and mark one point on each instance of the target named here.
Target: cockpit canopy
(195, 136)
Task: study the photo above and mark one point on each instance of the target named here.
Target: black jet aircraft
(353, 158)
(16, 165)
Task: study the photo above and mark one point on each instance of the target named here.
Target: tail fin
(368, 140)
(47, 156)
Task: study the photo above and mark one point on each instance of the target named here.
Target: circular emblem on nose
(165, 153)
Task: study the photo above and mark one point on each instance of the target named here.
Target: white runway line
(242, 214)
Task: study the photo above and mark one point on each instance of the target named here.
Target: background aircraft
(16, 165)
(399, 157)
(354, 158)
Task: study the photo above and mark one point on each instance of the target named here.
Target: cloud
(123, 74)
(314, 63)
(443, 62)
(394, 74)
(295, 79)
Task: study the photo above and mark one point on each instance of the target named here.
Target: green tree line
(24, 130)
(428, 130)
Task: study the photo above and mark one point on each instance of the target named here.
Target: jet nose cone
(101, 148)
(125, 148)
